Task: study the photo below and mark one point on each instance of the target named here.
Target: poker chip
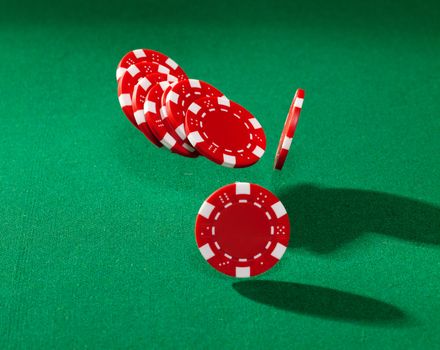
(156, 116)
(179, 98)
(148, 55)
(242, 230)
(289, 129)
(129, 80)
(224, 132)
(138, 100)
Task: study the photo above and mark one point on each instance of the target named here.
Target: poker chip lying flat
(225, 132)
(242, 230)
(156, 116)
(148, 55)
(289, 129)
(179, 98)
(139, 96)
(129, 80)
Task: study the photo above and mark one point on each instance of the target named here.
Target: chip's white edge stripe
(229, 161)
(120, 72)
(139, 116)
(125, 100)
(278, 251)
(168, 141)
(194, 138)
(298, 102)
(206, 209)
(279, 209)
(206, 251)
(258, 151)
(243, 272)
(287, 142)
(242, 188)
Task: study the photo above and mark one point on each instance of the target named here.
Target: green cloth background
(96, 225)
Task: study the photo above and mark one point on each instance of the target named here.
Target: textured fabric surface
(97, 247)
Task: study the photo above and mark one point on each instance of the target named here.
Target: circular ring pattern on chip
(225, 132)
(156, 116)
(179, 98)
(140, 93)
(129, 80)
(242, 230)
(148, 55)
(289, 129)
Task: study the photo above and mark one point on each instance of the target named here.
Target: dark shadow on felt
(322, 302)
(324, 219)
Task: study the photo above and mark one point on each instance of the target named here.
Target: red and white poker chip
(242, 230)
(225, 132)
(289, 129)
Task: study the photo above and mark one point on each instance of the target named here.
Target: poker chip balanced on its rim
(156, 116)
(178, 99)
(139, 97)
(129, 80)
(289, 129)
(224, 132)
(242, 230)
(148, 55)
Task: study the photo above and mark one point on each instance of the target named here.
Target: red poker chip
(224, 132)
(179, 98)
(242, 230)
(289, 129)
(129, 80)
(140, 55)
(138, 100)
(155, 115)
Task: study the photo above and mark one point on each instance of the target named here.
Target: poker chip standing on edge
(225, 132)
(148, 55)
(242, 230)
(289, 129)
(179, 98)
(139, 96)
(129, 80)
(155, 116)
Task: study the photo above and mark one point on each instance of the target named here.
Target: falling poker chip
(289, 129)
(242, 230)
(225, 132)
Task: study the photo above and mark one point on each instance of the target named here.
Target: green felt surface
(96, 225)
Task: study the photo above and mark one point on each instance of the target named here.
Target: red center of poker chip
(242, 230)
(225, 132)
(289, 129)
